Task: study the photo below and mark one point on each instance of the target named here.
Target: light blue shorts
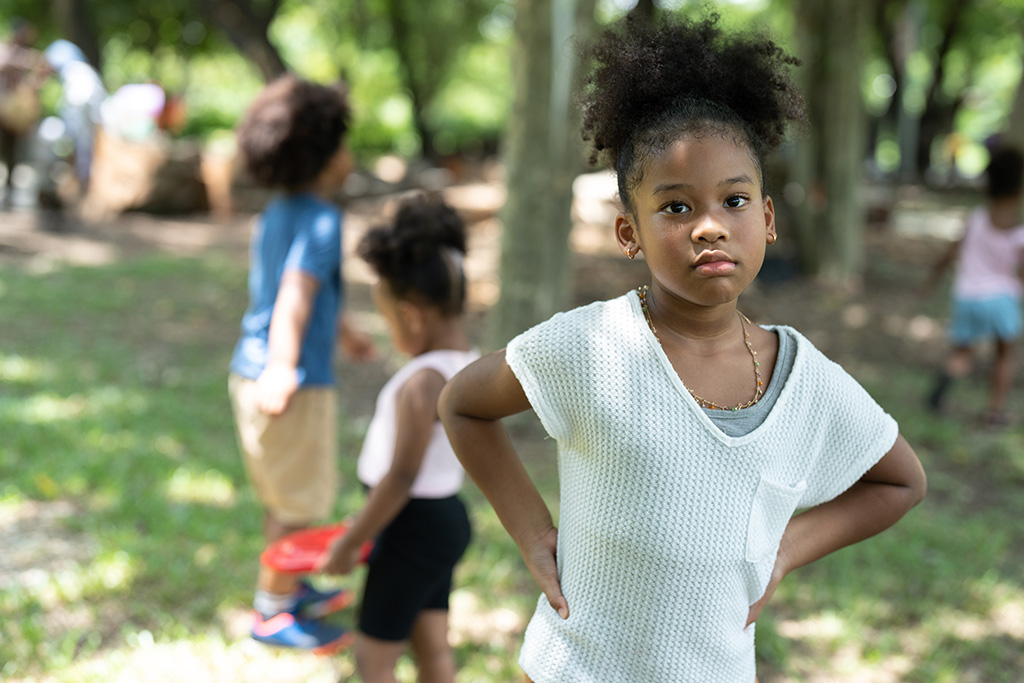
(978, 320)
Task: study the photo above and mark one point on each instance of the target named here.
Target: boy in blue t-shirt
(282, 375)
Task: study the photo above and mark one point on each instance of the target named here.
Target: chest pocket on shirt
(774, 504)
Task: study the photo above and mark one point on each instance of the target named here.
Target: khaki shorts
(290, 458)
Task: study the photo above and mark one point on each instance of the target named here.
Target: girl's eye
(676, 208)
(736, 201)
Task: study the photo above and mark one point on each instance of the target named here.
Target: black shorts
(410, 568)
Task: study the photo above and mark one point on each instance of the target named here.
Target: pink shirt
(989, 258)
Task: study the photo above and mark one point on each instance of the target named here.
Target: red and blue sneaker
(287, 630)
(314, 604)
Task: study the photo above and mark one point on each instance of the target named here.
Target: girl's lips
(712, 268)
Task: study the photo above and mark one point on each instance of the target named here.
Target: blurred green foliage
(449, 62)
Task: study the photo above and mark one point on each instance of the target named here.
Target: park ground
(128, 532)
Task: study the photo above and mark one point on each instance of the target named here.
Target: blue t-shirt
(294, 232)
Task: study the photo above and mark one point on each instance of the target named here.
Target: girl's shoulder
(808, 359)
(446, 361)
(584, 323)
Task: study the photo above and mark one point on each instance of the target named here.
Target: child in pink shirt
(987, 286)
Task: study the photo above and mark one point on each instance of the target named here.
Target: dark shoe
(314, 604)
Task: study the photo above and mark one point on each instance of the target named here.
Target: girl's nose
(709, 229)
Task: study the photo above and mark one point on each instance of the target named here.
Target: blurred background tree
(899, 91)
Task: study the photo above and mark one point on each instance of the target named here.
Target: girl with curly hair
(687, 435)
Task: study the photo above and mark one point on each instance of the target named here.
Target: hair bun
(420, 252)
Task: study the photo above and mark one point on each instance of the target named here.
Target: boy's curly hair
(420, 253)
(291, 130)
(653, 82)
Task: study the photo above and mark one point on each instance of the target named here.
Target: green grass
(113, 401)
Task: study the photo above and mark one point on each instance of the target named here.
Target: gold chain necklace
(703, 402)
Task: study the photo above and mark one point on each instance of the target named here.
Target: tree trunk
(246, 26)
(539, 159)
(828, 216)
(419, 92)
(908, 127)
(1014, 130)
(937, 117)
(644, 10)
(842, 131)
(801, 206)
(77, 25)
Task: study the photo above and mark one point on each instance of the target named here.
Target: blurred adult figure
(81, 98)
(19, 101)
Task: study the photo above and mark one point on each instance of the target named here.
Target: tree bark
(829, 218)
(539, 159)
(938, 114)
(419, 92)
(842, 133)
(247, 26)
(77, 25)
(1014, 130)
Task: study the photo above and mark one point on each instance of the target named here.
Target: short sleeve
(856, 434)
(533, 358)
(316, 249)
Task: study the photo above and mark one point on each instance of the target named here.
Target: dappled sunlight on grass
(47, 407)
(207, 488)
(22, 370)
(472, 622)
(206, 658)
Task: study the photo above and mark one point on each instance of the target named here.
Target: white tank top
(441, 473)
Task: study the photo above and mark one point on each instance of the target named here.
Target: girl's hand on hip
(778, 572)
(540, 558)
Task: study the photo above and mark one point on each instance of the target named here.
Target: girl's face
(405, 320)
(700, 220)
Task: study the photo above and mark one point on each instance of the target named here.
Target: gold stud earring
(630, 253)
(771, 238)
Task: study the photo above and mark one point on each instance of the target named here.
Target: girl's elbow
(446, 409)
(919, 489)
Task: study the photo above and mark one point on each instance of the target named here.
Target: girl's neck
(1004, 213)
(685, 323)
(447, 334)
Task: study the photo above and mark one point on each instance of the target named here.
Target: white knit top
(441, 473)
(668, 527)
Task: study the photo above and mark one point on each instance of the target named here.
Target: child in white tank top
(412, 510)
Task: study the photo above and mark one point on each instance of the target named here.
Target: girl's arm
(279, 380)
(471, 408)
(415, 419)
(877, 501)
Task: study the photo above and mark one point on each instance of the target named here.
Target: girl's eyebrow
(668, 187)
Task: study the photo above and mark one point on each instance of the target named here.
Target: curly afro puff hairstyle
(1005, 173)
(291, 130)
(652, 83)
(419, 255)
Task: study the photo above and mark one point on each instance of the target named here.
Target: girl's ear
(769, 220)
(626, 235)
